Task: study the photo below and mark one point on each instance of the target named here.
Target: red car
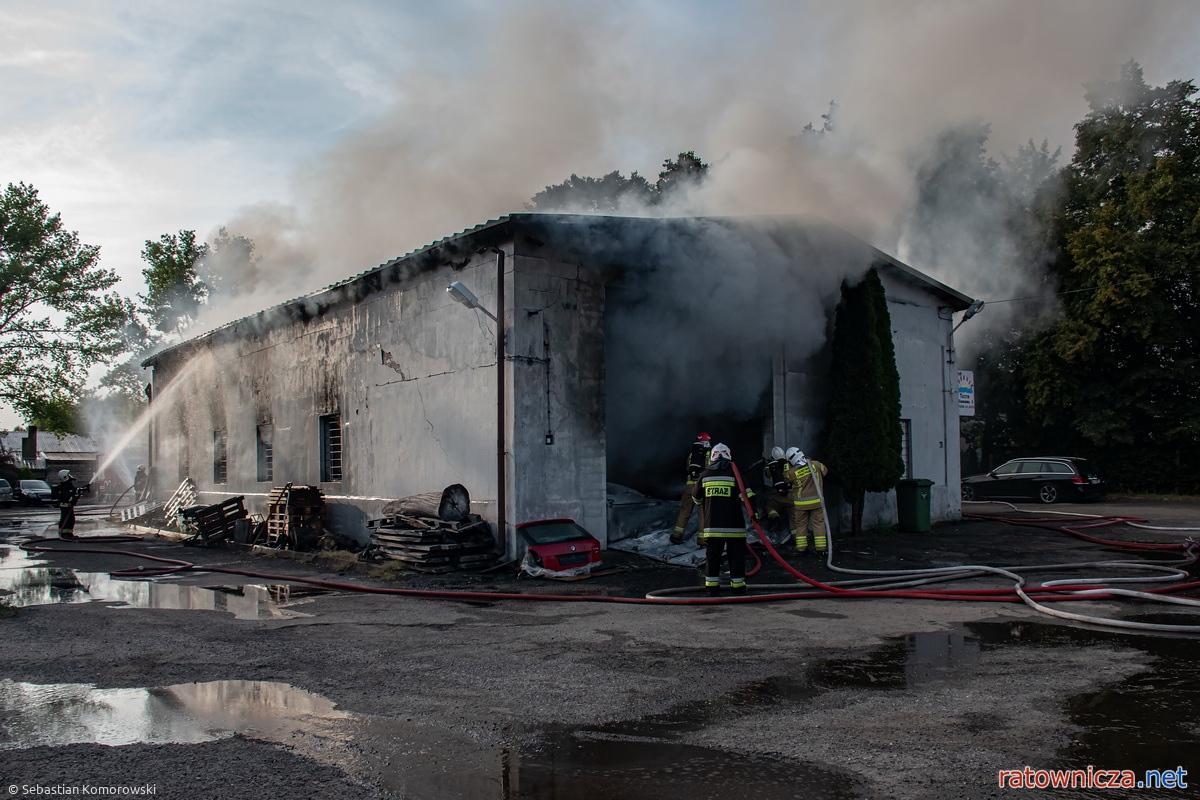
(559, 544)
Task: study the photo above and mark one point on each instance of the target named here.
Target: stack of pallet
(212, 524)
(295, 517)
(430, 544)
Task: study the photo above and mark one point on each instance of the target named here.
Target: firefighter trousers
(686, 505)
(66, 522)
(733, 548)
(801, 517)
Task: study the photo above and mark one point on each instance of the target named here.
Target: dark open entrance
(665, 386)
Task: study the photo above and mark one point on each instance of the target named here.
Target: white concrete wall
(410, 372)
(920, 335)
(558, 314)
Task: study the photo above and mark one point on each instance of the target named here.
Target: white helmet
(798, 458)
(776, 453)
(63, 474)
(791, 453)
(721, 451)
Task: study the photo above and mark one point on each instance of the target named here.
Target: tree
(679, 175)
(56, 319)
(612, 193)
(174, 292)
(861, 440)
(616, 194)
(1120, 370)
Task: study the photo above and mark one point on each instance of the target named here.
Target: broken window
(905, 446)
(331, 448)
(220, 457)
(266, 453)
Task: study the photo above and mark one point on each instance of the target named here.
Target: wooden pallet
(427, 544)
(295, 517)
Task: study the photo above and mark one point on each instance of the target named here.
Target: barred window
(220, 457)
(906, 446)
(331, 448)
(266, 452)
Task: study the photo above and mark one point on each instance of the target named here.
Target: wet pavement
(1138, 712)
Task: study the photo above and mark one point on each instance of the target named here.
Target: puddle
(406, 758)
(33, 583)
(1149, 720)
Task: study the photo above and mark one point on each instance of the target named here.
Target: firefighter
(68, 495)
(141, 480)
(696, 461)
(722, 524)
(806, 500)
(777, 483)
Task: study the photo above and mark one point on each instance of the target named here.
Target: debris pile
(210, 525)
(295, 517)
(434, 533)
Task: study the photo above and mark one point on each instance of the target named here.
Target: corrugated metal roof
(48, 443)
(914, 276)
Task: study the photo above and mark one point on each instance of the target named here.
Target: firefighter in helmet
(697, 460)
(777, 486)
(722, 523)
(67, 493)
(807, 491)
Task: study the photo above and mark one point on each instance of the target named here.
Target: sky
(340, 135)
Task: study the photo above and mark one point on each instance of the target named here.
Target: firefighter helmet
(798, 458)
(776, 453)
(791, 452)
(721, 451)
(703, 437)
(63, 474)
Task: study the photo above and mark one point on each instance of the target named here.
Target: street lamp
(971, 311)
(461, 294)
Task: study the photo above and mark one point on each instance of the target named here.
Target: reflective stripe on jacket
(721, 504)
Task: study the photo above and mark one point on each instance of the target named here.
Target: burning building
(589, 352)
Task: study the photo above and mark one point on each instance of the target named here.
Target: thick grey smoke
(529, 93)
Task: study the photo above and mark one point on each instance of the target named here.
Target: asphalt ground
(865, 698)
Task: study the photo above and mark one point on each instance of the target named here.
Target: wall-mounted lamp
(461, 294)
(971, 311)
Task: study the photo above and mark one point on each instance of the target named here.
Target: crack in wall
(425, 414)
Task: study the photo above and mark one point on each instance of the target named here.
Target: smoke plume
(527, 94)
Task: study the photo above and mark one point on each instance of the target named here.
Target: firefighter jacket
(697, 460)
(805, 480)
(716, 492)
(67, 493)
(776, 475)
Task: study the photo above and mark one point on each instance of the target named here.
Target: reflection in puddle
(59, 714)
(33, 583)
(407, 759)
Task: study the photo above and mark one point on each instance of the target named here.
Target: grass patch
(337, 560)
(388, 571)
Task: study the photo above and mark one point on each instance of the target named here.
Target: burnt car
(1043, 479)
(559, 544)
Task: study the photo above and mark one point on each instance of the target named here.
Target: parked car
(1045, 479)
(6, 493)
(32, 492)
(558, 544)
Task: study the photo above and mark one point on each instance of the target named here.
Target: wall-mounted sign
(966, 393)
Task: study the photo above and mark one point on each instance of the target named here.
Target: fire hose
(884, 583)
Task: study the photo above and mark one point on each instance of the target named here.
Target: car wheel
(968, 493)
(1048, 493)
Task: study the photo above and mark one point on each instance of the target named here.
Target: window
(906, 446)
(266, 453)
(331, 448)
(220, 457)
